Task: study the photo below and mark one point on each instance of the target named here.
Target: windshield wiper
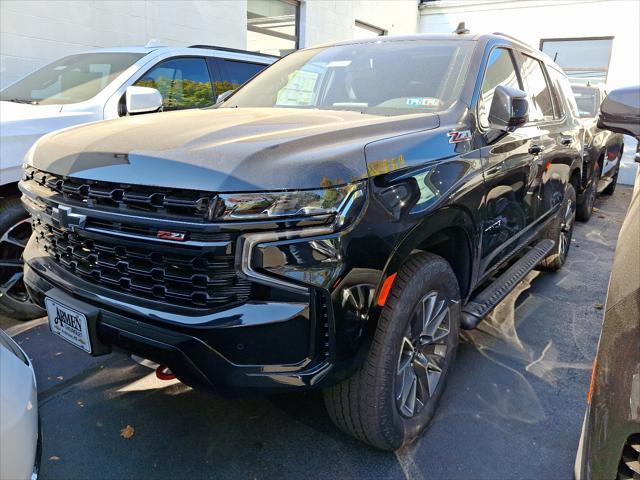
(20, 100)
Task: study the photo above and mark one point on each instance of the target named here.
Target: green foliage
(177, 94)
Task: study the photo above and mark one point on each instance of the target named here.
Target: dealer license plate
(69, 324)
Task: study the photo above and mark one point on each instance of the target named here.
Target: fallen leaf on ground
(598, 306)
(54, 458)
(127, 432)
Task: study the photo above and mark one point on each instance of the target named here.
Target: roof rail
(511, 37)
(235, 50)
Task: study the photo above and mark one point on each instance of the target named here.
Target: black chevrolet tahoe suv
(330, 225)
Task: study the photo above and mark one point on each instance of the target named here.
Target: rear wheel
(393, 396)
(560, 230)
(15, 230)
(585, 208)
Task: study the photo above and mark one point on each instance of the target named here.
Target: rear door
(230, 74)
(555, 141)
(510, 170)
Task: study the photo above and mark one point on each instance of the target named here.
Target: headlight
(308, 256)
(300, 203)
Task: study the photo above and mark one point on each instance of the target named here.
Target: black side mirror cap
(509, 109)
(620, 111)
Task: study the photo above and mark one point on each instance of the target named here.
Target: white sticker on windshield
(339, 63)
(299, 89)
(423, 102)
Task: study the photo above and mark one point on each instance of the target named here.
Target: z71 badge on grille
(174, 236)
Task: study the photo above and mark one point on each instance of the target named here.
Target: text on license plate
(69, 324)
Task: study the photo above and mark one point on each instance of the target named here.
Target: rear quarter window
(538, 91)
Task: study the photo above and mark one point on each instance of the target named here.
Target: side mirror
(620, 111)
(224, 95)
(509, 109)
(142, 100)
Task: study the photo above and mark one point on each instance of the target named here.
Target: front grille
(131, 198)
(629, 467)
(176, 274)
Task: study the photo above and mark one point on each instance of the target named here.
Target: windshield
(72, 79)
(385, 78)
(587, 100)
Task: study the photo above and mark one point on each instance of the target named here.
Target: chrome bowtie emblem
(67, 219)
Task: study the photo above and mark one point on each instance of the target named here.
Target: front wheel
(560, 230)
(15, 230)
(393, 396)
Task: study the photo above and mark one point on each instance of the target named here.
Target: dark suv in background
(602, 150)
(331, 225)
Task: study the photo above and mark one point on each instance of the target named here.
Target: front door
(511, 171)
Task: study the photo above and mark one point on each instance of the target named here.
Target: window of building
(583, 59)
(183, 83)
(366, 30)
(500, 70)
(535, 84)
(272, 26)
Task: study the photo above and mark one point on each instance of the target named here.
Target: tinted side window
(183, 83)
(565, 90)
(535, 83)
(500, 70)
(236, 73)
(556, 78)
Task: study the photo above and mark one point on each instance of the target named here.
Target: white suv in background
(86, 87)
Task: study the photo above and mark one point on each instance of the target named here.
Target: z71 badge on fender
(459, 136)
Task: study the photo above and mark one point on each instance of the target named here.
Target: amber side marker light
(386, 288)
(592, 381)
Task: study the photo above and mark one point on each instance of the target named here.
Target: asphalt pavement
(513, 407)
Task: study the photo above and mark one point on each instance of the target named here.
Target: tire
(372, 405)
(560, 230)
(15, 230)
(584, 209)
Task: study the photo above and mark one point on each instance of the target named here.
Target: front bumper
(259, 345)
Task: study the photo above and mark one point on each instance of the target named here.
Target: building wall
(33, 32)
(328, 20)
(531, 20)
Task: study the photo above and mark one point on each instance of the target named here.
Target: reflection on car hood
(224, 150)
(12, 111)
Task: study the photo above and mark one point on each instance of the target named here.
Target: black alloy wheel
(393, 396)
(422, 354)
(15, 230)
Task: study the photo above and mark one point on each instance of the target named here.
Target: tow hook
(164, 373)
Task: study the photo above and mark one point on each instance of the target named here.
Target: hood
(22, 124)
(12, 111)
(224, 150)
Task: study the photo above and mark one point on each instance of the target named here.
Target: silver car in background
(20, 439)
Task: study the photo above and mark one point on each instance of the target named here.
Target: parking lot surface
(513, 407)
